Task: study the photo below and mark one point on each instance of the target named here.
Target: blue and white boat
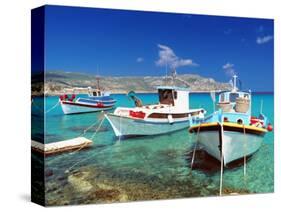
(231, 132)
(97, 100)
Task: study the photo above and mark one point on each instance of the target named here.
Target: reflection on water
(143, 168)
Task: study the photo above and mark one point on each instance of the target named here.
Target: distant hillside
(55, 82)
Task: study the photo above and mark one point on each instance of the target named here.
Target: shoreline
(58, 93)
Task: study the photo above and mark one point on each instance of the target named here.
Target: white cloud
(265, 39)
(227, 66)
(169, 58)
(228, 69)
(139, 60)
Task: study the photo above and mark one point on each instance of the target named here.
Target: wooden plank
(61, 146)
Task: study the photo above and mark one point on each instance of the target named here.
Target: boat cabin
(235, 105)
(173, 96)
(97, 93)
(239, 102)
(235, 101)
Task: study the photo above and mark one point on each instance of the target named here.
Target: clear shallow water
(145, 167)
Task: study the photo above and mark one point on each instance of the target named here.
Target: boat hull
(125, 126)
(234, 143)
(73, 108)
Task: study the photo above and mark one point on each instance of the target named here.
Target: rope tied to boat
(194, 150)
(49, 110)
(43, 111)
(98, 128)
(245, 158)
(222, 157)
(83, 133)
(92, 125)
(94, 134)
(92, 137)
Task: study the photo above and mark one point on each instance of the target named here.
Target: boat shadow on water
(209, 165)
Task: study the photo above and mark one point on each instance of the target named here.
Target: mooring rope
(87, 158)
(96, 131)
(98, 128)
(222, 159)
(194, 150)
(92, 125)
(245, 159)
(47, 111)
(36, 106)
(66, 155)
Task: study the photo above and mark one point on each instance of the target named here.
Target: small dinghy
(231, 133)
(170, 114)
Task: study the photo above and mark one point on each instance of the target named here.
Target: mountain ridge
(57, 81)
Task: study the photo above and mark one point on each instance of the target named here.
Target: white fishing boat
(231, 132)
(97, 100)
(170, 114)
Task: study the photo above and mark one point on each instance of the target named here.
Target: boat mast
(98, 78)
(174, 75)
(166, 77)
(98, 82)
(234, 89)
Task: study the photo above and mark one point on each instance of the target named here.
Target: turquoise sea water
(145, 167)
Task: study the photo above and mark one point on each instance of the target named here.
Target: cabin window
(166, 97)
(99, 93)
(246, 96)
(94, 93)
(233, 97)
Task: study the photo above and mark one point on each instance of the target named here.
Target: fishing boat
(97, 100)
(170, 114)
(231, 132)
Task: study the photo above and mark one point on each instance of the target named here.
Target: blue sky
(134, 43)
